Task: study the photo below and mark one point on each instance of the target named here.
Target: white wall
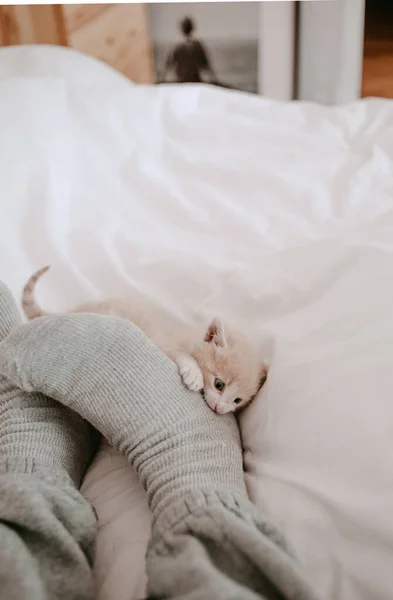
(331, 51)
(277, 49)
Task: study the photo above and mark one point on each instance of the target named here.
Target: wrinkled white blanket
(279, 216)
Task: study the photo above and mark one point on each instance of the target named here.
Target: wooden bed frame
(117, 34)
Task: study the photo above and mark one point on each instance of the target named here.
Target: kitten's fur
(203, 357)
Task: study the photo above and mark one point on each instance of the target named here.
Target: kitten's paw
(192, 377)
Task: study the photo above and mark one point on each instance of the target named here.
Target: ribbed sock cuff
(198, 502)
(49, 471)
(61, 448)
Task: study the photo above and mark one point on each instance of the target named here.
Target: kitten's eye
(219, 385)
(237, 400)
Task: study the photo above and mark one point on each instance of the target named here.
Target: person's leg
(47, 529)
(208, 541)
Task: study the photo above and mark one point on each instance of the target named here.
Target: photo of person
(211, 43)
(189, 58)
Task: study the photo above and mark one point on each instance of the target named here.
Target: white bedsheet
(277, 216)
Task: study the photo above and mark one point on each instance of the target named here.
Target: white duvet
(278, 216)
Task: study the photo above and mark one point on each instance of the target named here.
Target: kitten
(218, 361)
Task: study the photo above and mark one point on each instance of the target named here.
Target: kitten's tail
(30, 306)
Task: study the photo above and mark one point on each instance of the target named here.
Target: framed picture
(246, 46)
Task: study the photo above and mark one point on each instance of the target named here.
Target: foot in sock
(105, 369)
(47, 529)
(33, 426)
(188, 459)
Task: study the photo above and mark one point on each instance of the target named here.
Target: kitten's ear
(263, 375)
(215, 333)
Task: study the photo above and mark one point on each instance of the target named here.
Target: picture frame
(244, 46)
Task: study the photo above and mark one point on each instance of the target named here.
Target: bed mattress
(278, 217)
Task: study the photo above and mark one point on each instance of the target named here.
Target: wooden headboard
(118, 34)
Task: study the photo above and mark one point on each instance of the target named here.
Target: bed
(277, 216)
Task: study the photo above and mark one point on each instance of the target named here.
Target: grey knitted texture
(36, 426)
(208, 541)
(47, 529)
(136, 400)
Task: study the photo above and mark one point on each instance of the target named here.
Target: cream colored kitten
(218, 361)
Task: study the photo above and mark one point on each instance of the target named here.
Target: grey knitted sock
(208, 541)
(10, 317)
(34, 428)
(106, 369)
